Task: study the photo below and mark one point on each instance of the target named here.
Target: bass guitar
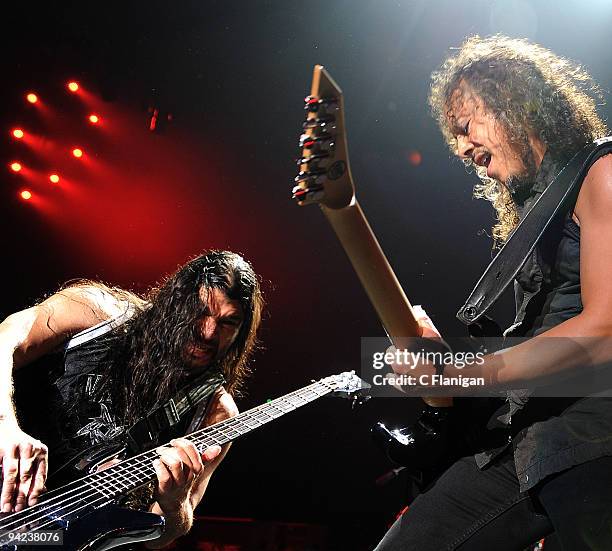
(85, 515)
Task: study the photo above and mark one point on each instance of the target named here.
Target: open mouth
(483, 159)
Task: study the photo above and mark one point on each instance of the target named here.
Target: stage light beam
(78, 153)
(18, 133)
(32, 98)
(26, 195)
(15, 167)
(54, 178)
(73, 86)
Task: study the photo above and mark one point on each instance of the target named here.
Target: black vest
(549, 434)
(56, 401)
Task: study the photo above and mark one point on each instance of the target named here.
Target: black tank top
(550, 434)
(56, 401)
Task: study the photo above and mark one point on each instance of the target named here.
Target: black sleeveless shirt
(57, 402)
(549, 435)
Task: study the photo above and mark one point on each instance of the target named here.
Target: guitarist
(110, 357)
(517, 113)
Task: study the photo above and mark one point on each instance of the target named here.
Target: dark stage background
(219, 174)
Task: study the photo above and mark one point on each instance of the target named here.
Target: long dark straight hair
(144, 362)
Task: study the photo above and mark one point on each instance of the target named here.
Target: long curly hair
(145, 355)
(530, 91)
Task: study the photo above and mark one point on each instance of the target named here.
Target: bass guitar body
(85, 513)
(96, 530)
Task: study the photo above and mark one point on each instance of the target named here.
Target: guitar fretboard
(138, 470)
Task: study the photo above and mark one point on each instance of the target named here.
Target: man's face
(217, 330)
(481, 137)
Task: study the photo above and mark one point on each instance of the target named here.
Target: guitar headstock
(325, 175)
(346, 384)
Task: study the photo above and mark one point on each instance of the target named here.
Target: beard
(521, 185)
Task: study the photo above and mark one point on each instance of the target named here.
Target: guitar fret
(263, 417)
(251, 423)
(285, 406)
(97, 486)
(274, 411)
(124, 479)
(98, 489)
(297, 401)
(104, 486)
(136, 471)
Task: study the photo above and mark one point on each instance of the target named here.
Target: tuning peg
(312, 193)
(312, 175)
(312, 103)
(309, 140)
(314, 157)
(318, 121)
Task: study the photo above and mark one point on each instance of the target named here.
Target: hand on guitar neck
(325, 179)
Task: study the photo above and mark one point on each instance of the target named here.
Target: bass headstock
(325, 175)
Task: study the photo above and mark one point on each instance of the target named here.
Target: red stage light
(18, 133)
(73, 86)
(415, 158)
(54, 178)
(15, 167)
(94, 119)
(26, 195)
(32, 98)
(78, 153)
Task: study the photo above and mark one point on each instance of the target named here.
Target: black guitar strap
(145, 433)
(507, 263)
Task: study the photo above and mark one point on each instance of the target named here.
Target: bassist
(120, 358)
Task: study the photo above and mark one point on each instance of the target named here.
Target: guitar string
(293, 407)
(200, 436)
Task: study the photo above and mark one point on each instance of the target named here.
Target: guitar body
(111, 526)
(86, 510)
(440, 436)
(104, 528)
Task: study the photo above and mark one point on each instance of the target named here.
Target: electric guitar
(84, 515)
(325, 179)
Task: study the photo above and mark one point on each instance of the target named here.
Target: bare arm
(586, 339)
(24, 337)
(177, 503)
(582, 341)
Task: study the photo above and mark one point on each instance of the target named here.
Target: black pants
(477, 510)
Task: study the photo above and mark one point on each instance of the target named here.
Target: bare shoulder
(42, 328)
(77, 308)
(101, 303)
(595, 197)
(222, 407)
